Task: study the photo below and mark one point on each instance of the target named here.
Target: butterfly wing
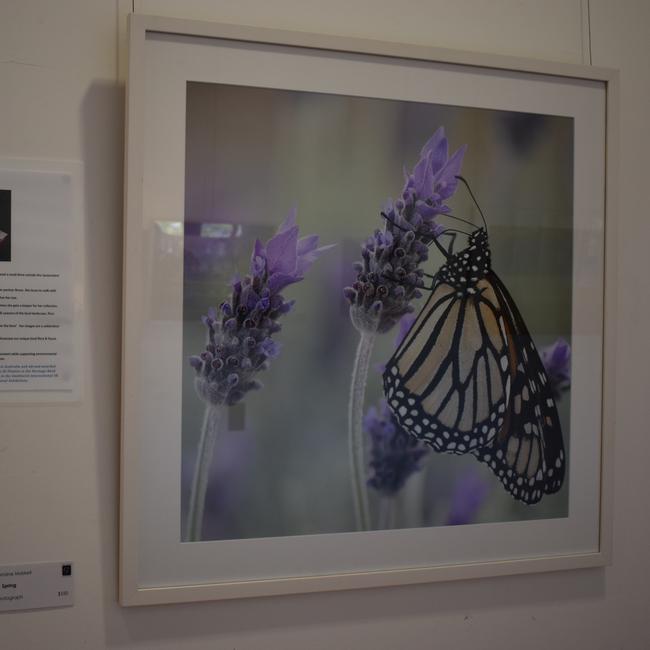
(528, 454)
(448, 382)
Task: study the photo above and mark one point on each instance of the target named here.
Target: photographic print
(377, 301)
(365, 337)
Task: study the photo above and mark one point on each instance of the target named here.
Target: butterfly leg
(452, 239)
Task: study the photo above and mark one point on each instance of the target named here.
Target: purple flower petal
(438, 155)
(258, 258)
(445, 181)
(278, 281)
(434, 141)
(307, 244)
(281, 251)
(306, 260)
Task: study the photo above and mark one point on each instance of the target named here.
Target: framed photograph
(367, 323)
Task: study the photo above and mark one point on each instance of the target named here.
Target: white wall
(61, 97)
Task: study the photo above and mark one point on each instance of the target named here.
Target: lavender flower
(389, 274)
(240, 343)
(240, 337)
(467, 499)
(557, 361)
(395, 454)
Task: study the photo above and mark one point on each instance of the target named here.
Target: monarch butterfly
(467, 377)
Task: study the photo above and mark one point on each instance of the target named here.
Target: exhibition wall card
(40, 280)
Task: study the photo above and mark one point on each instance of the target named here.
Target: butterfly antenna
(478, 207)
(453, 216)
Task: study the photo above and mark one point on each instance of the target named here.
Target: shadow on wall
(102, 137)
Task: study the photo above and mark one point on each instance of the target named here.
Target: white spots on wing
(504, 363)
(402, 411)
(558, 463)
(549, 403)
(517, 404)
(524, 393)
(393, 370)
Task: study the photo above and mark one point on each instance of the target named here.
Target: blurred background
(282, 467)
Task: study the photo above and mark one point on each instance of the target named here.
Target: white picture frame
(163, 55)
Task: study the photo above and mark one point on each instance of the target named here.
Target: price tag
(33, 586)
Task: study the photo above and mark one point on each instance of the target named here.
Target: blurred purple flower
(467, 499)
(557, 361)
(395, 455)
(404, 325)
(239, 339)
(389, 273)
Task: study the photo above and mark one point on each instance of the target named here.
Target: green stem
(355, 429)
(212, 422)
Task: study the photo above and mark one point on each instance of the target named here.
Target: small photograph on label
(5, 225)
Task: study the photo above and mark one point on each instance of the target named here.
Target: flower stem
(386, 513)
(355, 429)
(212, 422)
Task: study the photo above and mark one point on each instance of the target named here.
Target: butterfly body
(467, 378)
